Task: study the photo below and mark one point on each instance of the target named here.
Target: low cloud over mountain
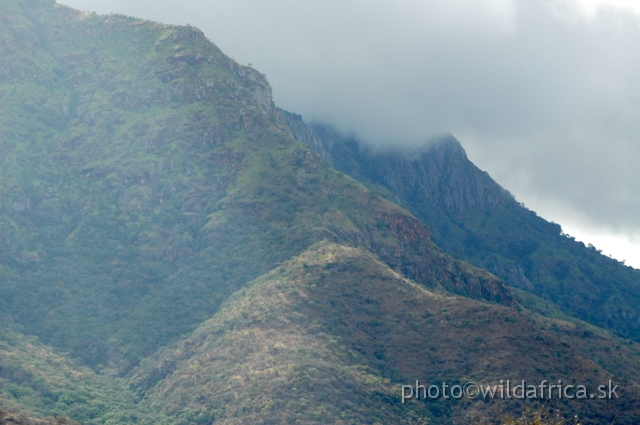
(542, 94)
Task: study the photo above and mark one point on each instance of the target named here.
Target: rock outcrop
(8, 418)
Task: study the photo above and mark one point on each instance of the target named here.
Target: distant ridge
(473, 217)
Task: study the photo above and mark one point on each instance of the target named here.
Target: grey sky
(544, 97)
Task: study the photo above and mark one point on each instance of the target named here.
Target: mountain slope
(471, 216)
(148, 185)
(330, 337)
(35, 377)
(146, 176)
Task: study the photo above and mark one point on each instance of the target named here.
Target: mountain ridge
(155, 183)
(177, 256)
(386, 327)
(475, 219)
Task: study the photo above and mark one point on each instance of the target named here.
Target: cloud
(543, 95)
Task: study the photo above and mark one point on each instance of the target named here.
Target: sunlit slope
(332, 335)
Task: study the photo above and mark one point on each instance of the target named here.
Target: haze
(543, 94)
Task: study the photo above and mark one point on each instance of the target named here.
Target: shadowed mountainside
(474, 218)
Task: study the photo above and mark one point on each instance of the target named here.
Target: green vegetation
(177, 257)
(333, 334)
(46, 383)
(146, 176)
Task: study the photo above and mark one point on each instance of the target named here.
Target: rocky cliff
(473, 217)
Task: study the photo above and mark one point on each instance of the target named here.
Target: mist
(543, 94)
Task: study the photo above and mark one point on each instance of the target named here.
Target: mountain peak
(439, 169)
(446, 143)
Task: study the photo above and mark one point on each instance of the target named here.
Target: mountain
(473, 218)
(172, 252)
(327, 337)
(142, 189)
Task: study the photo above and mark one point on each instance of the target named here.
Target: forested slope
(146, 176)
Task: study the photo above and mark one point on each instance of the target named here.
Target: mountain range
(175, 249)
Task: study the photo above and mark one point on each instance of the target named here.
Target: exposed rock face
(434, 269)
(472, 216)
(303, 133)
(439, 170)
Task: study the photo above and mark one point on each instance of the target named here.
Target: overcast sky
(543, 94)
